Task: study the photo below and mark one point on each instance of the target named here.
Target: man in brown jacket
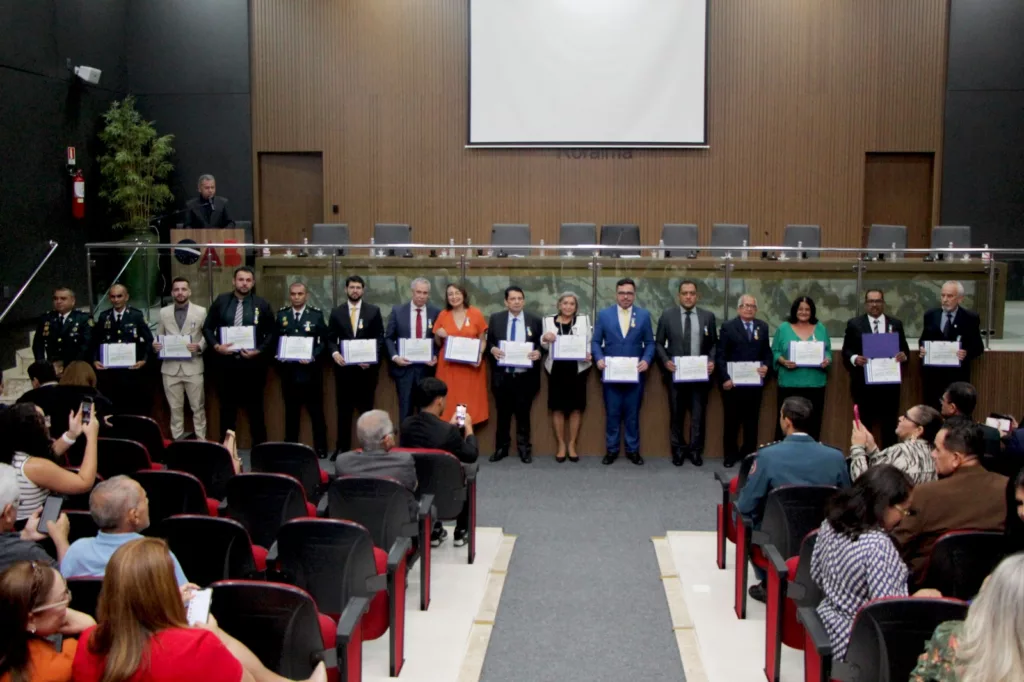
(966, 496)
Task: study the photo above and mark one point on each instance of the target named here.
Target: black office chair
(505, 235)
(385, 234)
(331, 233)
(680, 240)
(577, 234)
(621, 235)
(806, 236)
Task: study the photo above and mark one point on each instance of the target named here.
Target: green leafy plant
(136, 163)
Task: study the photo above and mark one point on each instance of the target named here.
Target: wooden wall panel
(799, 91)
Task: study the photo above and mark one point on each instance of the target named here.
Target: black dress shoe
(610, 457)
(322, 454)
(635, 458)
(335, 454)
(696, 458)
(729, 463)
(758, 592)
(677, 459)
(498, 455)
(525, 457)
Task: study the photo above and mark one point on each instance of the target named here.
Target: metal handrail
(53, 247)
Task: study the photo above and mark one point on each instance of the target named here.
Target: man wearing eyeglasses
(878, 403)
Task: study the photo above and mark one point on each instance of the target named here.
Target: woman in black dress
(567, 383)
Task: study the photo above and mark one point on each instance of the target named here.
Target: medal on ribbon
(307, 326)
(360, 324)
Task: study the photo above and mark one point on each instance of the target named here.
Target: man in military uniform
(796, 460)
(64, 334)
(302, 380)
(121, 324)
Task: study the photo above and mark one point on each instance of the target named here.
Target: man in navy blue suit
(413, 320)
(743, 339)
(623, 330)
(950, 322)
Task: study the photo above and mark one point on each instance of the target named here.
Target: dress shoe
(635, 458)
(498, 455)
(461, 537)
(696, 458)
(758, 592)
(677, 459)
(610, 457)
(526, 457)
(322, 454)
(334, 456)
(729, 463)
(574, 460)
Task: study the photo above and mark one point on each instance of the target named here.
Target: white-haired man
(412, 320)
(15, 546)
(376, 436)
(949, 322)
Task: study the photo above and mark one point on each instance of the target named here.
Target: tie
(353, 317)
(876, 327)
(238, 314)
(949, 326)
(623, 322)
(750, 331)
(117, 318)
(419, 323)
(688, 333)
(297, 316)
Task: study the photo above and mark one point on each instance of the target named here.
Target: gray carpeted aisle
(583, 599)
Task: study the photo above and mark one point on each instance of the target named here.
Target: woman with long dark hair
(806, 382)
(467, 382)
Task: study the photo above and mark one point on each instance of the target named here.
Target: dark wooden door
(291, 196)
(898, 191)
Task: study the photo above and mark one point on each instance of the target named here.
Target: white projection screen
(577, 73)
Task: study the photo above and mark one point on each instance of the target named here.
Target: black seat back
(208, 548)
(116, 456)
(961, 560)
(170, 493)
(85, 594)
(295, 459)
(140, 429)
(744, 473)
(330, 559)
(888, 635)
(262, 502)
(793, 511)
(381, 505)
(812, 594)
(276, 622)
(440, 474)
(209, 462)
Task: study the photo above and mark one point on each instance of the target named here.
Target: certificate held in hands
(175, 347)
(462, 349)
(239, 338)
(744, 373)
(882, 371)
(359, 351)
(942, 353)
(117, 355)
(621, 370)
(517, 354)
(690, 369)
(295, 348)
(570, 347)
(807, 353)
(418, 351)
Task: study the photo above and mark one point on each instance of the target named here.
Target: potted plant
(134, 167)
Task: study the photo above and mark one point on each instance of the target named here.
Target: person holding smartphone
(23, 546)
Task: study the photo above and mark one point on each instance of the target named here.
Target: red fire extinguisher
(78, 198)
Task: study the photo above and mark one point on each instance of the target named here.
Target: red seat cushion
(158, 467)
(311, 509)
(259, 555)
(757, 557)
(324, 479)
(792, 630)
(212, 506)
(730, 523)
(375, 622)
(167, 442)
(328, 630)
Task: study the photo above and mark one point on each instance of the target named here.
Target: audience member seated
(427, 430)
(959, 400)
(77, 382)
(912, 455)
(965, 496)
(45, 392)
(142, 634)
(15, 546)
(33, 606)
(1015, 514)
(854, 559)
(25, 445)
(796, 460)
(376, 435)
(989, 645)
(120, 508)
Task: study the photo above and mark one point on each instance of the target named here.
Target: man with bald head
(949, 322)
(121, 324)
(376, 436)
(120, 508)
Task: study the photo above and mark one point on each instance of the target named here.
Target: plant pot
(143, 271)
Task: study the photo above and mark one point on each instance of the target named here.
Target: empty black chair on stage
(725, 525)
(960, 561)
(281, 625)
(209, 462)
(505, 235)
(389, 511)
(679, 239)
(121, 457)
(141, 429)
(453, 485)
(85, 593)
(173, 492)
(577, 234)
(385, 234)
(211, 549)
(262, 502)
(296, 460)
(620, 235)
(331, 233)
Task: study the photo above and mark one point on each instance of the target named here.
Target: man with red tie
(412, 320)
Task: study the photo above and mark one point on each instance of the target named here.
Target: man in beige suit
(183, 376)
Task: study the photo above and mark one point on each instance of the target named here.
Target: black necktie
(949, 327)
(687, 333)
(750, 331)
(876, 326)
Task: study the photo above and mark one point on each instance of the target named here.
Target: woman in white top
(25, 444)
(567, 384)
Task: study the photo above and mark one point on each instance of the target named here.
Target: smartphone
(51, 512)
(460, 415)
(856, 414)
(198, 611)
(87, 406)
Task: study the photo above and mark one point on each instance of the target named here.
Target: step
(24, 357)
(15, 387)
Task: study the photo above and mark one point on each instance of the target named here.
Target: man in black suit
(958, 401)
(241, 374)
(64, 334)
(426, 430)
(514, 388)
(744, 339)
(412, 320)
(950, 322)
(121, 324)
(45, 392)
(686, 330)
(879, 404)
(208, 209)
(355, 384)
(302, 381)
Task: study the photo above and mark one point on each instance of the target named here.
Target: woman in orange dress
(467, 384)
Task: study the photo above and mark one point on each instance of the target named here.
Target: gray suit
(397, 465)
(669, 342)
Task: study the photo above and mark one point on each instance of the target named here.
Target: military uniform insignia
(92, 323)
(107, 325)
(46, 329)
(308, 323)
(284, 321)
(256, 316)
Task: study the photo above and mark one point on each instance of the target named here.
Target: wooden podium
(208, 270)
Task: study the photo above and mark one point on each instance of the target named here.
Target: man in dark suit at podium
(208, 209)
(743, 339)
(877, 403)
(950, 322)
(412, 320)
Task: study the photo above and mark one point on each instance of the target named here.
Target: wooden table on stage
(211, 273)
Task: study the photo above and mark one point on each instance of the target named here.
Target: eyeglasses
(626, 293)
(904, 511)
(906, 416)
(65, 600)
(748, 305)
(873, 301)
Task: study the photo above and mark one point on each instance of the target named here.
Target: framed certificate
(570, 347)
(359, 351)
(807, 353)
(462, 349)
(239, 338)
(621, 370)
(942, 353)
(690, 369)
(420, 351)
(175, 347)
(517, 354)
(117, 355)
(295, 348)
(882, 371)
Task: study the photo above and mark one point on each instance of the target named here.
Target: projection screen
(577, 73)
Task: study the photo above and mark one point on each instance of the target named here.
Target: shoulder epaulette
(281, 310)
(768, 445)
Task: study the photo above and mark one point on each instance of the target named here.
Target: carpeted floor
(583, 599)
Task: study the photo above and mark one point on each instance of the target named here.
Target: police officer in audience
(64, 334)
(302, 380)
(122, 324)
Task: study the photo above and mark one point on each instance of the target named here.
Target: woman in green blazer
(808, 382)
